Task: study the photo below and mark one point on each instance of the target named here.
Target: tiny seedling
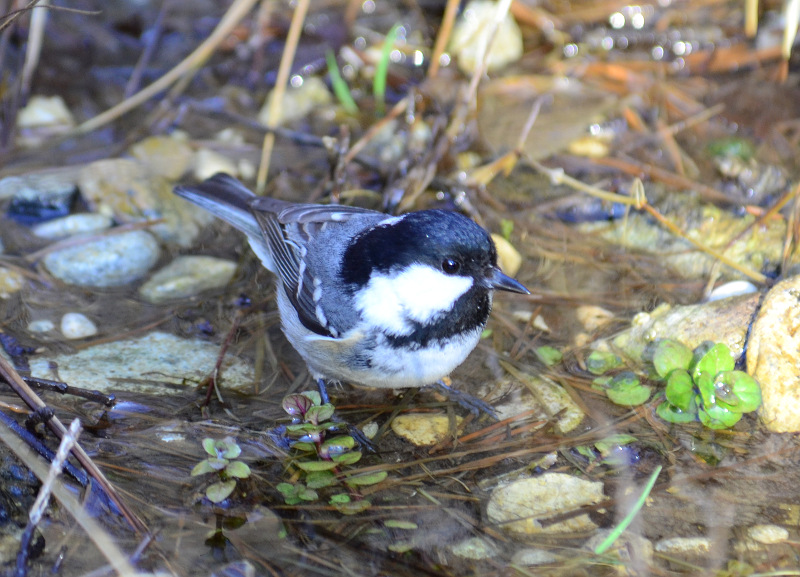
(221, 461)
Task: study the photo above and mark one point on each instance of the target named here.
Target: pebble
(474, 548)
(187, 276)
(423, 429)
(768, 534)
(77, 326)
(45, 111)
(41, 326)
(688, 549)
(208, 162)
(298, 102)
(144, 365)
(471, 33)
(533, 556)
(520, 506)
(11, 281)
(113, 260)
(773, 356)
(126, 189)
(84, 223)
(167, 156)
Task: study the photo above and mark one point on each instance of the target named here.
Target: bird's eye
(450, 266)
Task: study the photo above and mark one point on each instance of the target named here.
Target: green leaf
(606, 445)
(550, 356)
(366, 479)
(217, 464)
(716, 359)
(320, 479)
(320, 414)
(218, 492)
(339, 498)
(339, 444)
(238, 469)
(297, 405)
(737, 391)
(401, 546)
(310, 466)
(347, 458)
(673, 414)
(340, 88)
(353, 507)
(716, 417)
(308, 494)
(286, 488)
(210, 446)
(506, 228)
(305, 447)
(202, 468)
(230, 449)
(670, 355)
(705, 385)
(680, 389)
(600, 362)
(625, 389)
(315, 397)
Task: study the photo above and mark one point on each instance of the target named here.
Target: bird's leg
(323, 391)
(473, 404)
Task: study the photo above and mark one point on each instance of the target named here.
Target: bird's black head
(443, 240)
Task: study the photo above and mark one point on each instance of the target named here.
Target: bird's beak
(499, 281)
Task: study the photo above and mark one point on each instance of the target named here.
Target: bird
(365, 297)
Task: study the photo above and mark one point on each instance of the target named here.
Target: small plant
(699, 385)
(322, 455)
(220, 461)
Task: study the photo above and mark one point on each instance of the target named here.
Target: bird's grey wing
(288, 229)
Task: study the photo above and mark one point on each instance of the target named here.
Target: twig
(274, 112)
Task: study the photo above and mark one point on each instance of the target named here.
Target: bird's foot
(473, 404)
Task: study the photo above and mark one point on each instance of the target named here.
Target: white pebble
(84, 223)
(41, 326)
(77, 326)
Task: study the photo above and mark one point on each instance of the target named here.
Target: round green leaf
(717, 417)
(716, 359)
(705, 385)
(670, 355)
(320, 479)
(673, 414)
(210, 446)
(320, 414)
(202, 468)
(286, 488)
(297, 405)
(315, 397)
(625, 389)
(339, 444)
(600, 362)
(353, 507)
(308, 494)
(347, 458)
(230, 450)
(680, 389)
(306, 447)
(218, 492)
(550, 356)
(238, 469)
(339, 498)
(742, 394)
(400, 524)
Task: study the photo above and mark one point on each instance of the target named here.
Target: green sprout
(220, 462)
(340, 88)
(323, 456)
(382, 70)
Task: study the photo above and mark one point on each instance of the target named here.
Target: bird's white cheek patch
(419, 293)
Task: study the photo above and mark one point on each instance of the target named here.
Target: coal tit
(364, 297)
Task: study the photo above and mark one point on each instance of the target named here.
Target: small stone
(77, 326)
(593, 317)
(773, 356)
(41, 326)
(533, 557)
(768, 534)
(474, 548)
(423, 429)
(471, 34)
(113, 260)
(11, 281)
(208, 162)
(145, 365)
(187, 276)
(520, 506)
(167, 156)
(45, 111)
(298, 102)
(688, 549)
(508, 257)
(84, 223)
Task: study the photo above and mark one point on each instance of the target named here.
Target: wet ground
(671, 99)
